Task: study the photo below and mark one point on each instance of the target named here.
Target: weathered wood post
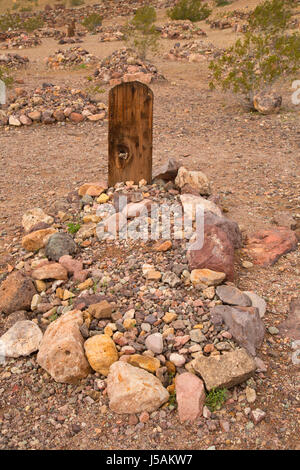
(130, 133)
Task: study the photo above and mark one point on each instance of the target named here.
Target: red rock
(16, 293)
(217, 253)
(190, 396)
(70, 264)
(266, 246)
(50, 271)
(76, 117)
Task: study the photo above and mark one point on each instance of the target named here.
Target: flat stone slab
(226, 370)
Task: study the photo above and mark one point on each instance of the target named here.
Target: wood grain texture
(130, 133)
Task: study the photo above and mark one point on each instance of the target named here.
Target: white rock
(35, 216)
(257, 302)
(190, 203)
(133, 390)
(177, 359)
(22, 339)
(155, 343)
(195, 179)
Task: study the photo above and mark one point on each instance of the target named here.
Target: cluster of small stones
(193, 51)
(18, 39)
(70, 58)
(236, 20)
(180, 30)
(50, 104)
(13, 61)
(109, 33)
(139, 314)
(124, 65)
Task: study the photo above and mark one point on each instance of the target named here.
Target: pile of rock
(13, 61)
(180, 30)
(20, 40)
(50, 104)
(236, 19)
(194, 51)
(124, 65)
(110, 33)
(145, 315)
(70, 58)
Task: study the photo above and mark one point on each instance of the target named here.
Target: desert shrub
(140, 33)
(92, 21)
(76, 3)
(10, 21)
(5, 76)
(31, 24)
(266, 53)
(271, 16)
(193, 10)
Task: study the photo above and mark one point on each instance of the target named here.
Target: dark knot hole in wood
(123, 156)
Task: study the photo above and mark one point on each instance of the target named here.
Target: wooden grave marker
(130, 133)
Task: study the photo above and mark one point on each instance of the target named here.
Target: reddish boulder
(216, 254)
(266, 246)
(16, 293)
(190, 396)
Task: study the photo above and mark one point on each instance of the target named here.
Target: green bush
(31, 24)
(76, 3)
(192, 10)
(271, 16)
(10, 21)
(140, 33)
(266, 53)
(5, 76)
(215, 398)
(92, 21)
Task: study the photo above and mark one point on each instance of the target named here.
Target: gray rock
(257, 302)
(60, 244)
(197, 336)
(171, 279)
(244, 324)
(167, 171)
(226, 370)
(233, 296)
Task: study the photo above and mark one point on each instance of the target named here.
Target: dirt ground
(252, 162)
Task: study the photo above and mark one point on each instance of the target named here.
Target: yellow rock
(108, 331)
(38, 239)
(102, 199)
(199, 326)
(59, 293)
(101, 353)
(207, 277)
(91, 218)
(86, 284)
(129, 323)
(151, 364)
(68, 295)
(40, 286)
(170, 367)
(169, 317)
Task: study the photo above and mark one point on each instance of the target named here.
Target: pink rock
(50, 271)
(71, 264)
(216, 254)
(144, 417)
(80, 276)
(137, 209)
(266, 246)
(190, 396)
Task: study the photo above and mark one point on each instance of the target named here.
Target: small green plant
(172, 400)
(140, 33)
(10, 21)
(5, 76)
(76, 3)
(215, 398)
(92, 21)
(31, 24)
(73, 227)
(222, 3)
(193, 10)
(53, 317)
